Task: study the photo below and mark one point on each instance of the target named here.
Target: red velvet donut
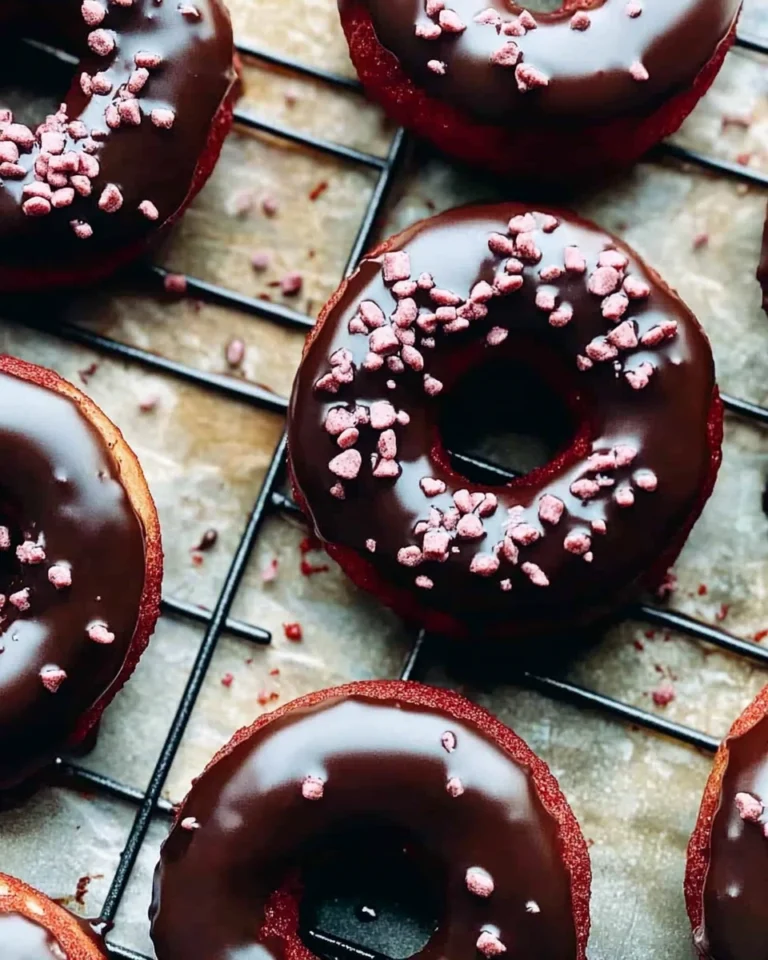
(478, 813)
(590, 86)
(32, 927)
(726, 877)
(81, 566)
(566, 543)
(137, 136)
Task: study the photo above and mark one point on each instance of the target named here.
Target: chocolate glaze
(61, 486)
(666, 423)
(588, 70)
(734, 923)
(384, 765)
(21, 939)
(144, 162)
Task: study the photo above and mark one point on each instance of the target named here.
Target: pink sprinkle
(577, 542)
(448, 740)
(614, 307)
(624, 454)
(545, 299)
(189, 11)
(269, 572)
(529, 78)
(35, 206)
(150, 211)
(291, 283)
(20, 600)
(484, 564)
(749, 807)
(82, 230)
(638, 72)
(338, 491)
(526, 249)
(19, 134)
(470, 527)
(427, 31)
(488, 506)
(52, 142)
(260, 260)
(431, 487)
(434, 7)
(406, 313)
(101, 84)
(634, 8)
(370, 545)
(373, 362)
(598, 526)
(111, 199)
(382, 414)
(624, 496)
(387, 445)
(30, 552)
(9, 152)
(527, 20)
(646, 480)
(451, 22)
(496, 336)
(82, 185)
(656, 335)
(506, 585)
(5, 538)
(383, 340)
(535, 574)
(524, 534)
(550, 273)
(77, 130)
(580, 21)
(372, 314)
(521, 223)
(489, 944)
(613, 258)
(584, 363)
(488, 17)
(99, 633)
(513, 266)
(93, 12)
(432, 386)
(396, 266)
(640, 377)
(664, 694)
(436, 543)
(409, 556)
(146, 59)
(130, 112)
(189, 823)
(137, 80)
(312, 788)
(562, 316)
(600, 350)
(102, 42)
(175, 283)
(585, 489)
(346, 465)
(348, 438)
(425, 281)
(501, 245)
(479, 882)
(623, 337)
(603, 281)
(455, 787)
(550, 509)
(163, 118)
(52, 678)
(405, 288)
(574, 260)
(63, 198)
(482, 292)
(89, 166)
(506, 56)
(424, 583)
(60, 576)
(444, 298)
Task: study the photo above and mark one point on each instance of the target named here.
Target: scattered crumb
(700, 240)
(269, 205)
(260, 260)
(318, 190)
(269, 572)
(291, 98)
(638, 645)
(175, 283)
(242, 202)
(235, 352)
(743, 159)
(743, 120)
(664, 693)
(274, 672)
(226, 680)
(293, 632)
(197, 559)
(291, 283)
(208, 539)
(87, 372)
(760, 636)
(149, 403)
(722, 613)
(667, 587)
(702, 591)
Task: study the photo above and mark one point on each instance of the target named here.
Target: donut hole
(505, 414)
(368, 886)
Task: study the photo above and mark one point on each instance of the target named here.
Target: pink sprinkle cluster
(312, 788)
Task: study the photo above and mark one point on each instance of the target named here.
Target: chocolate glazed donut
(134, 140)
(590, 84)
(571, 540)
(726, 879)
(476, 809)
(80, 566)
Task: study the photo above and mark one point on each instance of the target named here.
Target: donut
(32, 927)
(80, 566)
(579, 90)
(481, 817)
(726, 877)
(503, 285)
(136, 138)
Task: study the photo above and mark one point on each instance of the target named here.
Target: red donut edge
(573, 846)
(135, 485)
(699, 846)
(533, 153)
(365, 576)
(53, 918)
(99, 268)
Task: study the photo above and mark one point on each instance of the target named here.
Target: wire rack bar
(296, 66)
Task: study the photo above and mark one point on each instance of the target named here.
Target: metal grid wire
(149, 802)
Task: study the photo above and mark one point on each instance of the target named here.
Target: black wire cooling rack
(149, 802)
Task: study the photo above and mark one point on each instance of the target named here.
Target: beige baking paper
(635, 794)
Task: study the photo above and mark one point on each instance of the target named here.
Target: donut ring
(31, 925)
(137, 136)
(468, 793)
(569, 541)
(726, 876)
(80, 566)
(590, 86)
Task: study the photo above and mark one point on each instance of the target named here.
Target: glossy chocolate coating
(144, 162)
(61, 485)
(383, 764)
(21, 939)
(588, 70)
(666, 423)
(734, 924)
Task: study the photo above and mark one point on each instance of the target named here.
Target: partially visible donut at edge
(81, 565)
(140, 130)
(574, 539)
(726, 876)
(32, 926)
(481, 817)
(559, 95)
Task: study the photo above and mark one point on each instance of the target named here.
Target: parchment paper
(635, 794)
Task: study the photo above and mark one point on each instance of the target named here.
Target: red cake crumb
(227, 680)
(664, 694)
(293, 632)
